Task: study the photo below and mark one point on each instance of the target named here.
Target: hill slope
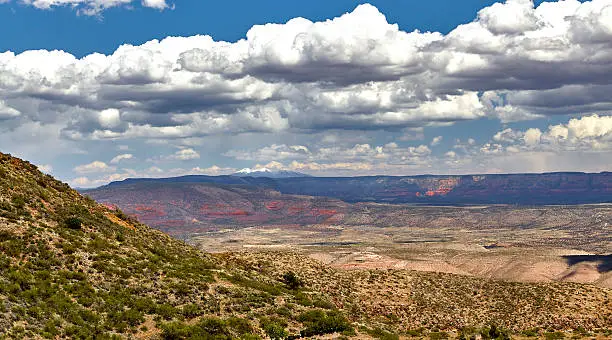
(183, 209)
(70, 268)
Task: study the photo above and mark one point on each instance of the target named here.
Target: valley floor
(531, 245)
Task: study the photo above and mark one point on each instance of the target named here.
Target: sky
(94, 91)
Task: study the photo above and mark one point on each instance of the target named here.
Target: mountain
(265, 172)
(72, 268)
(183, 209)
(519, 189)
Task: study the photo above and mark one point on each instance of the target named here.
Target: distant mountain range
(265, 172)
(520, 189)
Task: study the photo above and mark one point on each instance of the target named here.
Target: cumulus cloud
(117, 159)
(46, 168)
(357, 71)
(589, 133)
(360, 157)
(7, 112)
(93, 167)
(580, 144)
(436, 140)
(184, 155)
(90, 7)
(272, 152)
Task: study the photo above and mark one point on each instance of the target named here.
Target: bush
(382, 334)
(319, 322)
(275, 331)
(73, 223)
(274, 328)
(207, 328)
(494, 332)
(292, 281)
(554, 335)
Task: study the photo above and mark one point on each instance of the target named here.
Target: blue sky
(80, 35)
(513, 86)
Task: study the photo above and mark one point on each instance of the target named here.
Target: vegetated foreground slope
(409, 301)
(523, 189)
(71, 268)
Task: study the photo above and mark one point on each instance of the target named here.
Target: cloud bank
(356, 72)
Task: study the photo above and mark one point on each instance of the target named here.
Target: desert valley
(292, 266)
(283, 170)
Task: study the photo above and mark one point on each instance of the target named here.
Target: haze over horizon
(329, 89)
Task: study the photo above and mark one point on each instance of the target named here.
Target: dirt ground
(533, 248)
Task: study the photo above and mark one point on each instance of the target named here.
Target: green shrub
(292, 281)
(554, 335)
(382, 334)
(73, 223)
(207, 328)
(438, 335)
(275, 331)
(18, 201)
(239, 326)
(494, 332)
(191, 311)
(318, 322)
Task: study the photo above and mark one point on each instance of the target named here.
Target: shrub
(191, 311)
(207, 328)
(318, 322)
(554, 335)
(274, 328)
(275, 331)
(382, 334)
(494, 332)
(73, 223)
(239, 326)
(292, 281)
(18, 201)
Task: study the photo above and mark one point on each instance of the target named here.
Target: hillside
(521, 189)
(183, 209)
(70, 268)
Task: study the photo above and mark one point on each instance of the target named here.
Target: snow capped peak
(265, 172)
(250, 171)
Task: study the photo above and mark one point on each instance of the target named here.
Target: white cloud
(356, 73)
(185, 155)
(7, 112)
(272, 152)
(159, 4)
(436, 140)
(93, 167)
(361, 157)
(532, 137)
(46, 168)
(589, 133)
(90, 7)
(122, 157)
(280, 78)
